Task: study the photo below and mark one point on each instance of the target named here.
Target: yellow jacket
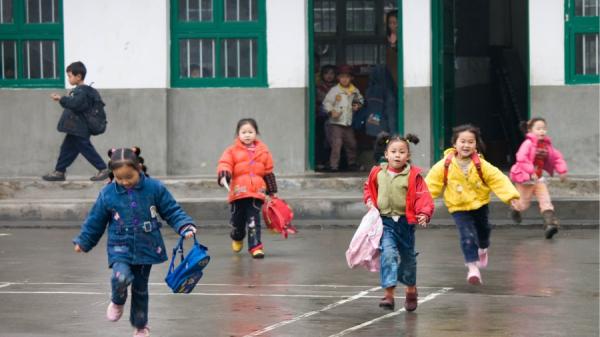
(469, 193)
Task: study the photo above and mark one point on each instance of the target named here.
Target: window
(31, 45)
(351, 31)
(581, 41)
(218, 43)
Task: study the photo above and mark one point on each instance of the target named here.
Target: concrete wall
(202, 124)
(29, 142)
(573, 122)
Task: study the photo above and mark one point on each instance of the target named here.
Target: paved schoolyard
(533, 287)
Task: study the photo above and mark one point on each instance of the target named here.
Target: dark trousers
(474, 229)
(71, 147)
(137, 276)
(245, 215)
(342, 136)
(321, 141)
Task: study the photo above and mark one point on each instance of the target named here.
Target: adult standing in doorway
(391, 55)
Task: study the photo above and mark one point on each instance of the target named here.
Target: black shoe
(101, 175)
(387, 303)
(54, 176)
(331, 170)
(516, 216)
(550, 231)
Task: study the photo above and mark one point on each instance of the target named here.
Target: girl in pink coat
(536, 155)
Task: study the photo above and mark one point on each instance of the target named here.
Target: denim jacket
(131, 216)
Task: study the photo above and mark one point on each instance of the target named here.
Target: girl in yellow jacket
(466, 180)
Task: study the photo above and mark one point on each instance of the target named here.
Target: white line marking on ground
(392, 314)
(217, 285)
(17, 292)
(5, 234)
(311, 313)
(4, 285)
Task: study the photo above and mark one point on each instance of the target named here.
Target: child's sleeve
(424, 201)
(559, 162)
(498, 182)
(522, 157)
(171, 211)
(77, 101)
(370, 185)
(329, 101)
(226, 161)
(94, 226)
(435, 179)
(360, 97)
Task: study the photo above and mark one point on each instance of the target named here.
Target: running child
(466, 180)
(535, 156)
(399, 192)
(129, 207)
(247, 169)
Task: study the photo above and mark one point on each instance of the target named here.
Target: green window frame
(31, 52)
(214, 36)
(581, 31)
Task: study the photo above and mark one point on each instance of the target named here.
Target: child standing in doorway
(466, 181)
(535, 156)
(399, 192)
(340, 104)
(247, 168)
(128, 209)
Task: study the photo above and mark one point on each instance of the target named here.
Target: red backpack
(278, 217)
(476, 162)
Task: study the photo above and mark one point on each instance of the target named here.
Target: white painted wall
(546, 42)
(287, 44)
(416, 29)
(123, 43)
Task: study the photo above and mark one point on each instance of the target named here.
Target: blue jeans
(245, 214)
(398, 256)
(136, 276)
(71, 147)
(474, 229)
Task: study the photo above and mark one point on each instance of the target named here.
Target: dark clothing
(342, 136)
(245, 214)
(72, 146)
(137, 276)
(75, 104)
(475, 230)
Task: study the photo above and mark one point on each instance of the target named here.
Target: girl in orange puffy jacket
(247, 168)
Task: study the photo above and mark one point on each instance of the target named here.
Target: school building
(176, 75)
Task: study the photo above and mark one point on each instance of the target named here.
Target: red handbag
(278, 217)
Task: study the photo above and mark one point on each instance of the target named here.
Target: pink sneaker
(114, 312)
(474, 276)
(483, 258)
(143, 332)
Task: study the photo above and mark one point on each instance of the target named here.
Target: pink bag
(364, 247)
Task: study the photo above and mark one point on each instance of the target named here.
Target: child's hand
(422, 219)
(515, 204)
(534, 177)
(188, 231)
(55, 97)
(563, 177)
(370, 204)
(77, 249)
(335, 114)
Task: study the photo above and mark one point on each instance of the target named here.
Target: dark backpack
(95, 117)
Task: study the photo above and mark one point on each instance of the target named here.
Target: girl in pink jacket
(536, 155)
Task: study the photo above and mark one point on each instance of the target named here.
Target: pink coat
(364, 247)
(522, 170)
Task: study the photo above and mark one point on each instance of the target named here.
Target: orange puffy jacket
(247, 171)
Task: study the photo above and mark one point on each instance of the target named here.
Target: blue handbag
(184, 278)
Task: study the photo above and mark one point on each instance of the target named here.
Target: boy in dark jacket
(72, 122)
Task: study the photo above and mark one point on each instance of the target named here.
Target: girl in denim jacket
(128, 208)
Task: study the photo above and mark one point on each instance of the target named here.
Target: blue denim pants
(474, 229)
(137, 276)
(71, 147)
(245, 216)
(398, 256)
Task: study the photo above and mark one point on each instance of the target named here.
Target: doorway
(350, 32)
(480, 59)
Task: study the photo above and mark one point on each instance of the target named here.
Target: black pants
(71, 147)
(245, 215)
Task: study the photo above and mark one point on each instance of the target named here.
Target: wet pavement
(533, 287)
